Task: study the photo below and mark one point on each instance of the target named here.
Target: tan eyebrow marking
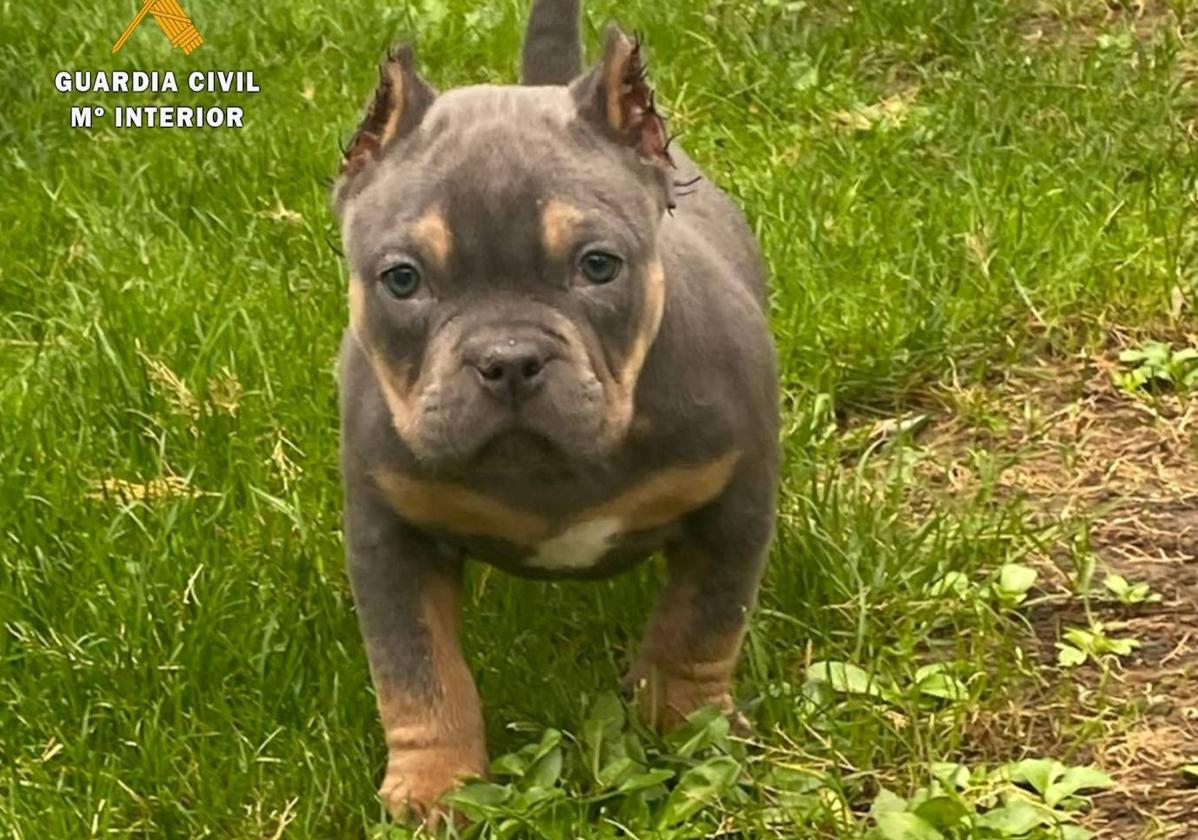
(559, 220)
(432, 232)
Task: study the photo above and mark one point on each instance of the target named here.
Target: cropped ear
(399, 104)
(616, 97)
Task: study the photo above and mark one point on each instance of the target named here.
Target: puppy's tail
(552, 45)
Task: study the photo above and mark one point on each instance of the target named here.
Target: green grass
(191, 666)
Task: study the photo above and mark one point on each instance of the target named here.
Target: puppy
(557, 362)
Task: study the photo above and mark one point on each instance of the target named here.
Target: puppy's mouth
(507, 448)
(518, 451)
(517, 444)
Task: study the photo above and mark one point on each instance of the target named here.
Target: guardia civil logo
(173, 21)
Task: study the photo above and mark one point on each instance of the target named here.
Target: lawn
(970, 210)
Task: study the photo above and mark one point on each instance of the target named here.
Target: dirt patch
(1083, 22)
(1114, 477)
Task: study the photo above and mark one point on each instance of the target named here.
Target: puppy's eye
(600, 266)
(401, 280)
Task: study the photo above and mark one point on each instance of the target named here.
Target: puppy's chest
(624, 525)
(580, 545)
(594, 548)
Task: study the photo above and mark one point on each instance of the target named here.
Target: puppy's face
(505, 281)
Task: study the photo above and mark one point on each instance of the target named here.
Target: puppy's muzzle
(510, 368)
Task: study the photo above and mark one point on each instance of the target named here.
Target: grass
(945, 191)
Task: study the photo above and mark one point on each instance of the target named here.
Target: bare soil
(1117, 474)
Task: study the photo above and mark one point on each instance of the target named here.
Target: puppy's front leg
(694, 636)
(408, 595)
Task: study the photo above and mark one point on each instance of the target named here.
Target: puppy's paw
(416, 780)
(664, 696)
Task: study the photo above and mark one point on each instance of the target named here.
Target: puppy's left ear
(617, 98)
(399, 104)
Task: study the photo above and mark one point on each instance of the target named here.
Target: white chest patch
(578, 547)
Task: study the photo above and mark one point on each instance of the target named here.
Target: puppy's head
(502, 241)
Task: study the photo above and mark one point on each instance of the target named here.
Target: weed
(1036, 799)
(1155, 365)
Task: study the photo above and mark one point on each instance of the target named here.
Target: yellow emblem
(174, 23)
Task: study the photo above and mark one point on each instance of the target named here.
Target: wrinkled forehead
(471, 115)
(496, 165)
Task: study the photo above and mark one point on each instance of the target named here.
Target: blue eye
(401, 280)
(599, 266)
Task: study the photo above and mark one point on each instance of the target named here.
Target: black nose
(511, 369)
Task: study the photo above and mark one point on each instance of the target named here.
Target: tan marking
(620, 385)
(559, 220)
(399, 402)
(659, 499)
(357, 306)
(616, 65)
(667, 494)
(392, 382)
(656, 500)
(431, 743)
(440, 504)
(395, 75)
(347, 221)
(458, 707)
(667, 693)
(650, 323)
(680, 667)
(433, 235)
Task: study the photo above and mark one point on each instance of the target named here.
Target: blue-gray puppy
(557, 362)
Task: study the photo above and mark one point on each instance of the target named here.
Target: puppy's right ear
(399, 104)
